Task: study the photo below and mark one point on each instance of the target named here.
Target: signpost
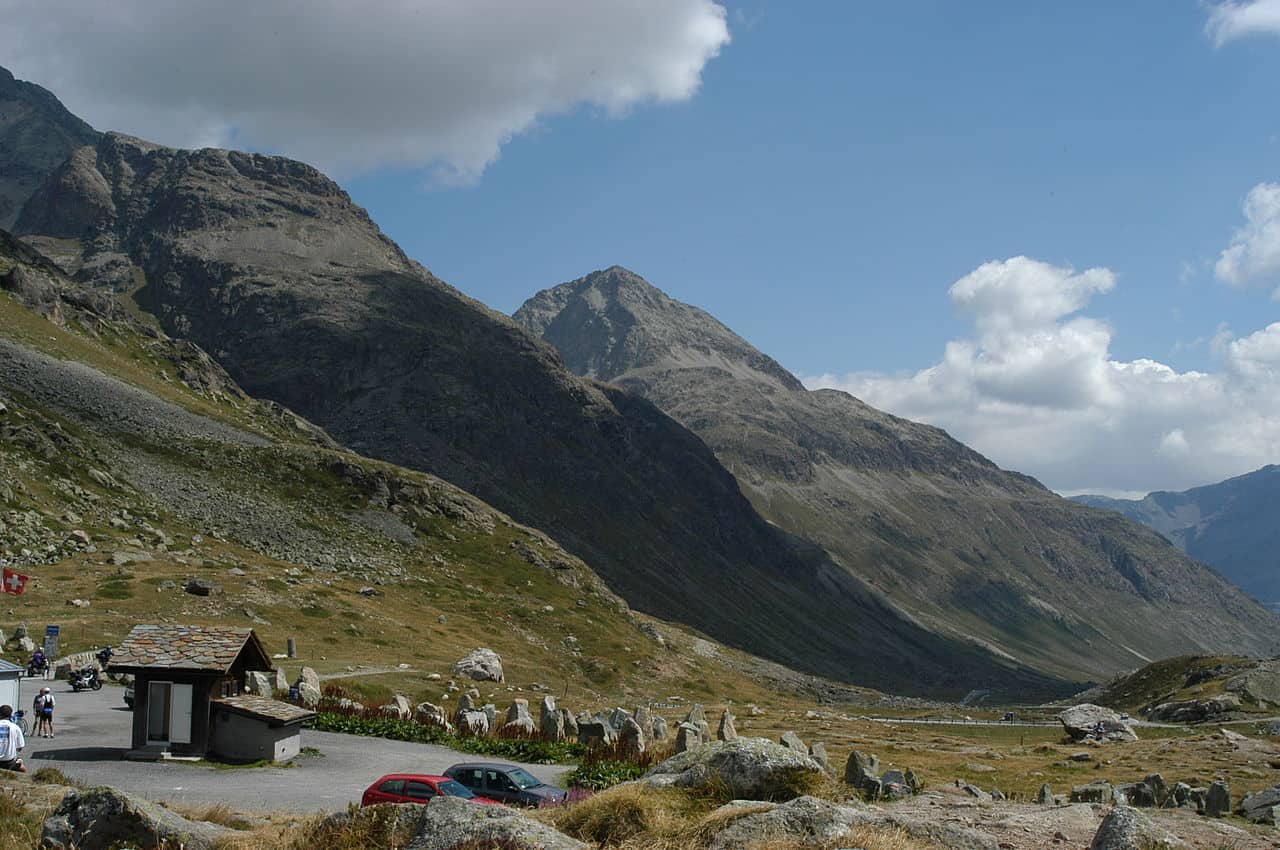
(51, 634)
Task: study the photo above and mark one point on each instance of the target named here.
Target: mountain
(37, 134)
(968, 549)
(132, 465)
(267, 264)
(1234, 526)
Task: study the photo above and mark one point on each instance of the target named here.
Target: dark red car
(417, 788)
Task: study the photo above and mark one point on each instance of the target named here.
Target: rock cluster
(1087, 721)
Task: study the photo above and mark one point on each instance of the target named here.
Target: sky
(1051, 228)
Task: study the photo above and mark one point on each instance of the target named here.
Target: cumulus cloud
(1254, 253)
(1240, 18)
(439, 84)
(1036, 389)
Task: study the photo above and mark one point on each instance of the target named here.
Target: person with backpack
(12, 742)
(42, 707)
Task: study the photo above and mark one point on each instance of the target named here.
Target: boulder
(698, 717)
(792, 741)
(894, 786)
(632, 737)
(431, 714)
(569, 723)
(550, 720)
(279, 680)
(976, 793)
(482, 665)
(1258, 807)
(519, 720)
(687, 737)
(645, 718)
(200, 587)
(309, 687)
(618, 718)
(818, 752)
(726, 730)
(403, 708)
(1125, 828)
(659, 728)
(862, 770)
(1195, 711)
(491, 711)
(1094, 792)
(451, 822)
(805, 820)
(100, 818)
(26, 645)
(1080, 722)
(260, 684)
(1045, 795)
(595, 733)
(473, 721)
(1217, 801)
(748, 768)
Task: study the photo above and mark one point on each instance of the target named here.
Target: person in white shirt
(12, 742)
(42, 706)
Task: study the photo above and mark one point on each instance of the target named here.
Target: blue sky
(844, 163)
(1023, 222)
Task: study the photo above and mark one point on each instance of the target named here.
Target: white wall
(9, 695)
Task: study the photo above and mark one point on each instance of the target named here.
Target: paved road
(93, 729)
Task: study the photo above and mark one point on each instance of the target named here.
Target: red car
(417, 788)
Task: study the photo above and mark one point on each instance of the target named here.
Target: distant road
(1025, 724)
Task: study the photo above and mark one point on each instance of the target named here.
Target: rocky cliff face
(965, 547)
(36, 135)
(267, 264)
(1234, 526)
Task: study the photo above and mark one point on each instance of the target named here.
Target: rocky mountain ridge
(965, 547)
(1233, 526)
(266, 264)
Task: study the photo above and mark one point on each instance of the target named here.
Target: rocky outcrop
(805, 820)
(309, 687)
(101, 818)
(1125, 828)
(1262, 806)
(1195, 710)
(451, 822)
(481, 665)
(1085, 720)
(749, 768)
(519, 721)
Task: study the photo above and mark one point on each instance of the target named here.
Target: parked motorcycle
(86, 679)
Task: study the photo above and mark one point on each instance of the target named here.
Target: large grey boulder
(698, 717)
(1080, 721)
(632, 737)
(309, 687)
(1125, 828)
(430, 714)
(260, 684)
(748, 768)
(726, 730)
(453, 822)
(688, 737)
(659, 727)
(806, 820)
(100, 818)
(482, 665)
(551, 720)
(519, 720)
(818, 752)
(569, 723)
(1261, 806)
(1217, 802)
(473, 722)
(595, 733)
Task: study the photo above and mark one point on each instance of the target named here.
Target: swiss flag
(14, 583)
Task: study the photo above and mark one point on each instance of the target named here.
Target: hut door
(180, 715)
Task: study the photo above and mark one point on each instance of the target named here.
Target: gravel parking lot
(93, 729)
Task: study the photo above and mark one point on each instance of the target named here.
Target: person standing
(42, 707)
(12, 742)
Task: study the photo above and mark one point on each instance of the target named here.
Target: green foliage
(604, 773)
(315, 611)
(114, 590)
(516, 749)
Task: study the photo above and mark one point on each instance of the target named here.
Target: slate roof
(209, 648)
(275, 712)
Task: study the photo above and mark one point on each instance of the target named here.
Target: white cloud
(1036, 389)
(1254, 253)
(1240, 18)
(439, 84)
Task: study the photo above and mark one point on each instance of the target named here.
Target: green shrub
(115, 590)
(605, 773)
(515, 749)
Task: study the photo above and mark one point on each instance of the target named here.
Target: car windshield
(523, 778)
(455, 789)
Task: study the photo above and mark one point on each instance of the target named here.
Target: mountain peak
(614, 322)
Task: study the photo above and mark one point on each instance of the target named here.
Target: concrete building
(189, 685)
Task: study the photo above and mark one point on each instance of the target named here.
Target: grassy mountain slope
(1234, 526)
(966, 547)
(131, 464)
(267, 265)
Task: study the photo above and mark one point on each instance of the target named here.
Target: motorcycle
(37, 669)
(86, 679)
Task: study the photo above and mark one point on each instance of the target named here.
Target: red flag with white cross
(14, 583)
